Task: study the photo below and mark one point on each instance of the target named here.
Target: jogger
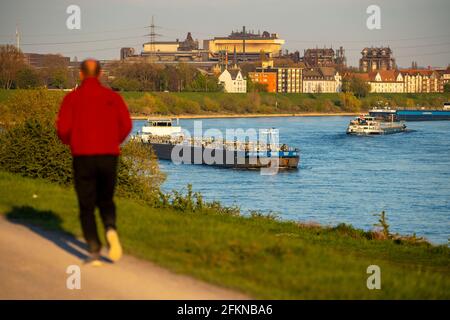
(94, 121)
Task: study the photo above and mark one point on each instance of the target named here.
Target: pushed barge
(413, 114)
(367, 125)
(169, 143)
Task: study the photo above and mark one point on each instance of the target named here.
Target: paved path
(33, 265)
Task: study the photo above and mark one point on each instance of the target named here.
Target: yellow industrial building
(245, 45)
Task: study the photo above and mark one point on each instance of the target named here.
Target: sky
(416, 30)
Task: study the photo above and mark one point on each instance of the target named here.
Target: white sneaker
(115, 249)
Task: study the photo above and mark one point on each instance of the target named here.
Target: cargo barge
(169, 143)
(413, 114)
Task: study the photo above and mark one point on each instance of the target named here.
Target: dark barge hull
(423, 115)
(226, 158)
(415, 115)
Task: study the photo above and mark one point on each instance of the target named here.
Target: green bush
(210, 105)
(350, 102)
(30, 147)
(28, 78)
(40, 105)
(447, 87)
(138, 173)
(125, 84)
(191, 201)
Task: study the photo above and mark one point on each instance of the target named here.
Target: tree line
(55, 72)
(142, 76)
(16, 73)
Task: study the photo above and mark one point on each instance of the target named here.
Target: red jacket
(93, 120)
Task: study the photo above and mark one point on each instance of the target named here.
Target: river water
(340, 178)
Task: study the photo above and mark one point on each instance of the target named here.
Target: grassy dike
(259, 256)
(213, 104)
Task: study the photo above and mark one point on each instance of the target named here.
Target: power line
(334, 40)
(372, 40)
(408, 47)
(75, 33)
(78, 42)
(153, 36)
(424, 54)
(209, 34)
(95, 50)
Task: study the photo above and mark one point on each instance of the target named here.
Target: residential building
(321, 80)
(421, 80)
(266, 76)
(386, 81)
(374, 59)
(233, 81)
(289, 79)
(445, 78)
(244, 45)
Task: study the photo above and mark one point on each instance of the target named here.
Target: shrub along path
(258, 256)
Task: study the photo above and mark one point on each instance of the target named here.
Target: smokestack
(226, 59)
(243, 43)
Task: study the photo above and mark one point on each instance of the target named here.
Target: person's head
(90, 68)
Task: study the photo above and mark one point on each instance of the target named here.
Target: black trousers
(95, 179)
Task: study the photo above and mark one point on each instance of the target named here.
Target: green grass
(294, 97)
(5, 94)
(262, 257)
(178, 103)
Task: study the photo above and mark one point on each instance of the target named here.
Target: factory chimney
(243, 43)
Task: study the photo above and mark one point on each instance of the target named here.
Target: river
(341, 179)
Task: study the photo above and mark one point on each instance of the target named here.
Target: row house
(419, 80)
(321, 80)
(445, 77)
(389, 81)
(405, 80)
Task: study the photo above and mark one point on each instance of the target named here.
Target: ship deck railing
(221, 144)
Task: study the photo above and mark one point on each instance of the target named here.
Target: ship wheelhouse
(161, 127)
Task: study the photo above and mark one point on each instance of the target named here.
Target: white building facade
(233, 81)
(386, 81)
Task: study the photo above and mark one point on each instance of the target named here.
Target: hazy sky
(415, 29)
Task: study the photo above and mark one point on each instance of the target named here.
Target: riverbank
(259, 256)
(208, 104)
(258, 104)
(254, 115)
